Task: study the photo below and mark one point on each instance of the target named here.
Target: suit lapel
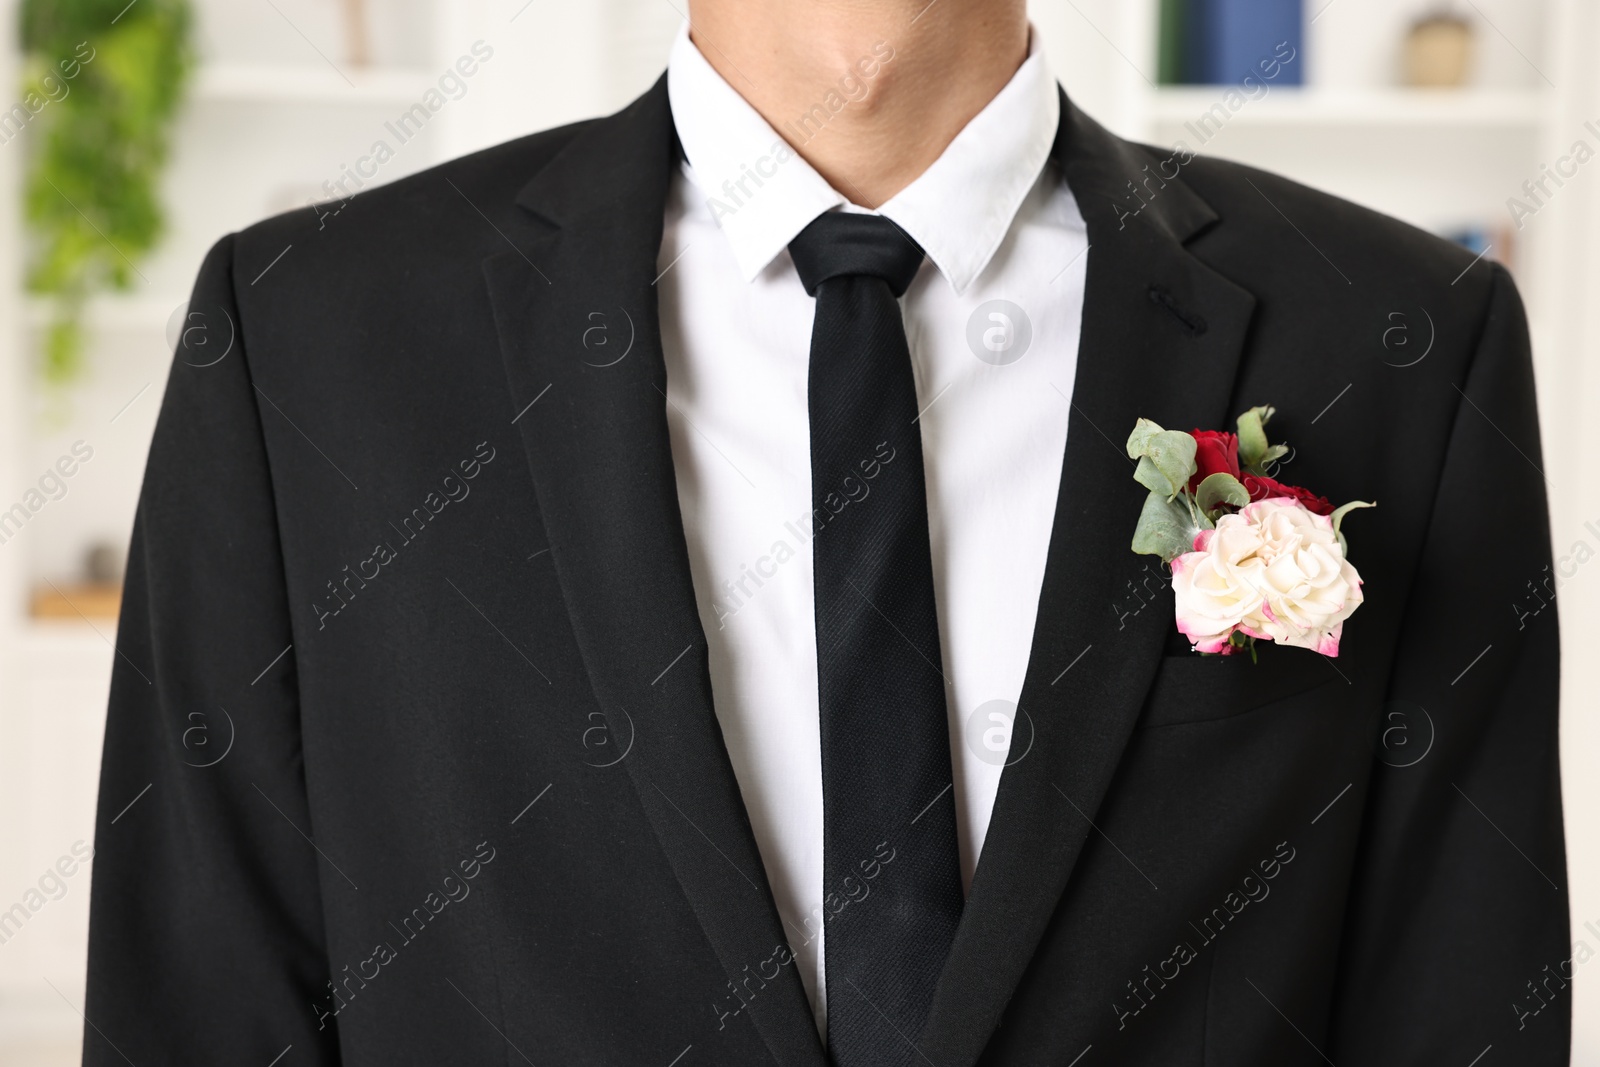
(594, 428)
(1161, 338)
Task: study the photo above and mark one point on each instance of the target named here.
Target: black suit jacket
(411, 665)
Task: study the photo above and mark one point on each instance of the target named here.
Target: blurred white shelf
(1466, 109)
(114, 313)
(297, 83)
(47, 643)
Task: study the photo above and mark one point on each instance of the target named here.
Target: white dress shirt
(992, 319)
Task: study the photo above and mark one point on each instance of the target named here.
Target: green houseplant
(103, 82)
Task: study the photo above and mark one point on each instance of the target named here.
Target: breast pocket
(1191, 688)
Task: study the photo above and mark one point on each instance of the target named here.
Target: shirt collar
(761, 193)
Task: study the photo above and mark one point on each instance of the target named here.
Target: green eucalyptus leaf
(1221, 488)
(1139, 439)
(1149, 475)
(1166, 463)
(1338, 517)
(1253, 437)
(1166, 528)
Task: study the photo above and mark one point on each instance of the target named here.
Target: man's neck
(869, 92)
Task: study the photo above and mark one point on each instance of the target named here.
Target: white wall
(1570, 401)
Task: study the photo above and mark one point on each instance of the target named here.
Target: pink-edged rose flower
(1261, 487)
(1217, 586)
(1215, 452)
(1273, 571)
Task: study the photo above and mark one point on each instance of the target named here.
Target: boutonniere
(1252, 559)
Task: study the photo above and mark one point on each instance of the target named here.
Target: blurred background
(175, 121)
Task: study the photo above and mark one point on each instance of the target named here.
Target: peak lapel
(1161, 338)
(593, 423)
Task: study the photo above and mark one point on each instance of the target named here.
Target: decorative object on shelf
(102, 563)
(1229, 42)
(1438, 51)
(355, 28)
(97, 596)
(91, 200)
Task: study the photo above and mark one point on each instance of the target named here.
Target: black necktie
(892, 880)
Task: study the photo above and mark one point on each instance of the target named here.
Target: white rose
(1218, 586)
(1274, 571)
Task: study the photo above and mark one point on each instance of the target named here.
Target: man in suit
(660, 591)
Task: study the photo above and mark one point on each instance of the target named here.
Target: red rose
(1260, 488)
(1216, 452)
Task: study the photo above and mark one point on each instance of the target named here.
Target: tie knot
(839, 244)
